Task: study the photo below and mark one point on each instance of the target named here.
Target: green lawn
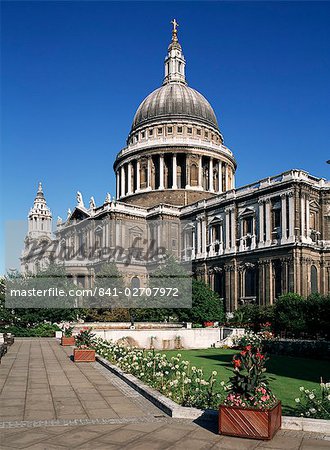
(286, 373)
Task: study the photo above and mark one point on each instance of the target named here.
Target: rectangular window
(189, 130)
(206, 134)
(160, 130)
(143, 134)
(179, 129)
(151, 132)
(170, 129)
(199, 132)
(248, 226)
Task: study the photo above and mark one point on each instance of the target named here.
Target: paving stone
(29, 437)
(101, 413)
(73, 438)
(281, 441)
(121, 436)
(233, 443)
(39, 415)
(191, 444)
(170, 434)
(314, 444)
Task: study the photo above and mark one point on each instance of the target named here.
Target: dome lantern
(174, 61)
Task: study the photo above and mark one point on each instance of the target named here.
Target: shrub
(289, 314)
(314, 403)
(255, 340)
(41, 330)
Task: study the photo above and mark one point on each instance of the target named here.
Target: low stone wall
(127, 325)
(197, 338)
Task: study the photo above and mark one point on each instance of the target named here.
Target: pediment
(249, 211)
(216, 219)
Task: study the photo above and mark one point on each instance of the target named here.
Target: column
(149, 173)
(199, 237)
(226, 177)
(187, 171)
(129, 176)
(233, 230)
(261, 223)
(283, 218)
(291, 216)
(233, 179)
(220, 175)
(200, 172)
(268, 222)
(174, 176)
(271, 283)
(211, 175)
(227, 244)
(203, 238)
(138, 183)
(302, 217)
(193, 250)
(122, 179)
(161, 171)
(307, 218)
(117, 185)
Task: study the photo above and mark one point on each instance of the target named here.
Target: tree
(110, 294)
(289, 314)
(206, 305)
(26, 311)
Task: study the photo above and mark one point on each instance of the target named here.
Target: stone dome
(175, 100)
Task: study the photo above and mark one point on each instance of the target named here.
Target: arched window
(314, 281)
(135, 283)
(193, 175)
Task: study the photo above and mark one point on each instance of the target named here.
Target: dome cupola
(175, 145)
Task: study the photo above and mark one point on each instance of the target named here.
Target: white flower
(302, 388)
(214, 373)
(222, 383)
(312, 410)
(297, 400)
(311, 396)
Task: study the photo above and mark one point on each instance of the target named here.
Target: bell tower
(40, 217)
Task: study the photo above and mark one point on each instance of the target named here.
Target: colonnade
(174, 171)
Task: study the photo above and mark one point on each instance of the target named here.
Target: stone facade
(251, 244)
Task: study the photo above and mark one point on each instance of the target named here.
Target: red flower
(248, 348)
(260, 356)
(237, 363)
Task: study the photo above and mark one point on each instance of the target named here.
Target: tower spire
(40, 216)
(174, 61)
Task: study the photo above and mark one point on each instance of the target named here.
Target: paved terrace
(49, 402)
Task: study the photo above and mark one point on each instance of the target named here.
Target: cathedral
(175, 182)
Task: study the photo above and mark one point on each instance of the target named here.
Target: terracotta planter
(67, 340)
(250, 423)
(83, 355)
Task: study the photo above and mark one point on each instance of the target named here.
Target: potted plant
(250, 409)
(84, 342)
(67, 338)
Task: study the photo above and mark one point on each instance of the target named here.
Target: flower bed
(314, 403)
(173, 377)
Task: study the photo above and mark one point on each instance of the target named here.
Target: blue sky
(73, 74)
